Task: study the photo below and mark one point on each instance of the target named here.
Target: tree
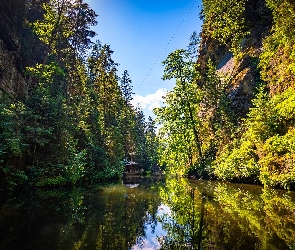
(193, 47)
(77, 121)
(177, 66)
(225, 21)
(180, 134)
(127, 114)
(152, 142)
(105, 84)
(126, 87)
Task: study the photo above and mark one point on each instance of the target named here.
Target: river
(151, 213)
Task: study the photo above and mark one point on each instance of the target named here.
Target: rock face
(12, 81)
(18, 48)
(242, 69)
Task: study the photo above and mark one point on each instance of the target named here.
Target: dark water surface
(149, 213)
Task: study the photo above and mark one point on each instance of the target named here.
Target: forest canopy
(72, 122)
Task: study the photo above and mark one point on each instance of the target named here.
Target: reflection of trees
(38, 219)
(267, 217)
(241, 214)
(204, 215)
(123, 219)
(112, 218)
(211, 215)
(183, 224)
(116, 218)
(280, 214)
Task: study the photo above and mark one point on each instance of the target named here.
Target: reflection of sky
(150, 241)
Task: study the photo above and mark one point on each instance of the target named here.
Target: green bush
(267, 148)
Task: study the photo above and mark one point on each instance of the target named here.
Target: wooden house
(132, 168)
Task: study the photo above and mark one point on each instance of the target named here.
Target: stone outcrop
(19, 48)
(242, 70)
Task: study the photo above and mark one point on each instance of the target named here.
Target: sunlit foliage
(75, 125)
(181, 143)
(277, 58)
(225, 21)
(258, 148)
(266, 149)
(208, 214)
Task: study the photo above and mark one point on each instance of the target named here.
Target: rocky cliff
(241, 68)
(19, 47)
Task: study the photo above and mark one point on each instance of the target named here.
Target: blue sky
(142, 33)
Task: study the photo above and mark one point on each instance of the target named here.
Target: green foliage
(237, 163)
(152, 143)
(76, 124)
(278, 160)
(218, 119)
(259, 148)
(45, 72)
(13, 177)
(126, 87)
(225, 21)
(45, 28)
(196, 120)
(62, 25)
(180, 145)
(277, 58)
(266, 149)
(12, 141)
(12, 145)
(251, 152)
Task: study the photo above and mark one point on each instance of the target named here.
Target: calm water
(149, 214)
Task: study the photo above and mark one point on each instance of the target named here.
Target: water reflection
(211, 215)
(146, 213)
(154, 231)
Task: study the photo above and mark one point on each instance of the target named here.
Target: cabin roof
(131, 163)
